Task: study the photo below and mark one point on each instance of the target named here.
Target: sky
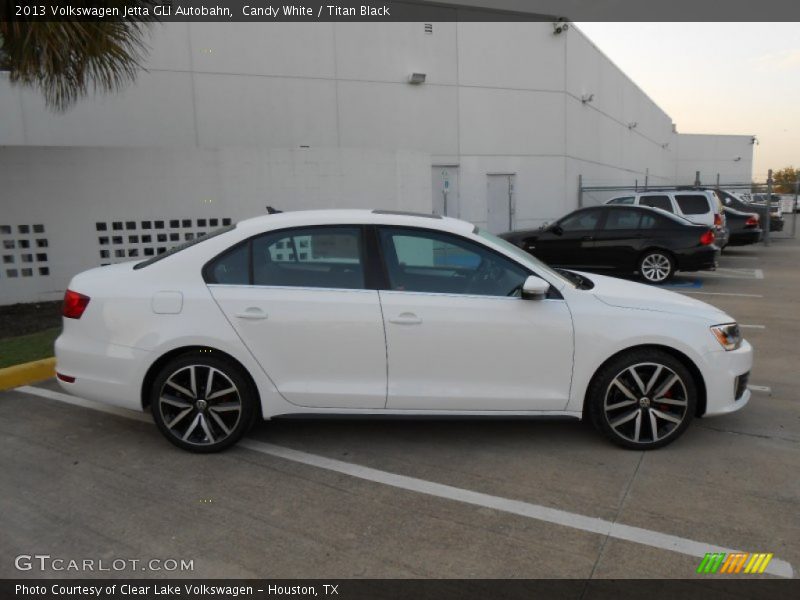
(737, 78)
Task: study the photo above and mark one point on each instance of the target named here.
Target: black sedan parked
(745, 227)
(776, 218)
(628, 239)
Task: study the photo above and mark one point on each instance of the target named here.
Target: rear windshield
(179, 247)
(693, 204)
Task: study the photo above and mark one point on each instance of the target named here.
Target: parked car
(699, 206)
(359, 312)
(776, 221)
(627, 239)
(745, 228)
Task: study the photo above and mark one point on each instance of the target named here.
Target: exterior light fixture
(737, 159)
(587, 98)
(633, 125)
(560, 26)
(417, 78)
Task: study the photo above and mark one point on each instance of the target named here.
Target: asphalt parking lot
(426, 498)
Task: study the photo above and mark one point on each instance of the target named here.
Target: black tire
(656, 266)
(614, 413)
(218, 417)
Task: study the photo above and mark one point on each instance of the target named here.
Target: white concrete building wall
(500, 100)
(729, 156)
(69, 190)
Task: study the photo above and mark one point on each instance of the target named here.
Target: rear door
(306, 314)
(618, 242)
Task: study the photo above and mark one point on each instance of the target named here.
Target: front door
(308, 318)
(570, 242)
(460, 337)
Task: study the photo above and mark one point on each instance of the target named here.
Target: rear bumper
(726, 391)
(745, 237)
(103, 372)
(699, 259)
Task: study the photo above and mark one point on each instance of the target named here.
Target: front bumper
(726, 390)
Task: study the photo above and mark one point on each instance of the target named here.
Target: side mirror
(535, 288)
(557, 229)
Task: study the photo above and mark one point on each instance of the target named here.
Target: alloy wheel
(200, 405)
(645, 403)
(656, 267)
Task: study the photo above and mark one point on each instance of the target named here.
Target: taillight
(752, 221)
(74, 304)
(707, 238)
(717, 220)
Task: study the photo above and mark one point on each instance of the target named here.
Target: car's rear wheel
(643, 399)
(202, 403)
(656, 266)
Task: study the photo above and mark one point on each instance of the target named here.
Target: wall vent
(429, 28)
(140, 241)
(16, 249)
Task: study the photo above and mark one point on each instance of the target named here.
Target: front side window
(692, 204)
(622, 218)
(325, 257)
(436, 262)
(584, 220)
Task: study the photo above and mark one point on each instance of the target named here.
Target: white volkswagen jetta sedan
(387, 313)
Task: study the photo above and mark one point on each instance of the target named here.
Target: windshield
(530, 261)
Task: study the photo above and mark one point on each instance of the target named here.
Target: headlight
(728, 335)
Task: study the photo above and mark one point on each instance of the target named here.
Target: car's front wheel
(656, 266)
(643, 399)
(202, 402)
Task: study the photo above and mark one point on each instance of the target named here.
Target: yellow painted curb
(27, 373)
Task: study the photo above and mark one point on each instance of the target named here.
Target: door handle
(406, 318)
(251, 314)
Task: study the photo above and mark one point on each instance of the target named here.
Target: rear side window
(623, 200)
(693, 204)
(655, 201)
(622, 218)
(324, 257)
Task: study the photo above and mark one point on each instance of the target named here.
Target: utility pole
(697, 178)
(768, 204)
(794, 205)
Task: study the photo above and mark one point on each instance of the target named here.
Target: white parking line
(718, 294)
(731, 273)
(647, 537)
(743, 326)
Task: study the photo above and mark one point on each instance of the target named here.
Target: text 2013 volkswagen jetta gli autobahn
(376, 312)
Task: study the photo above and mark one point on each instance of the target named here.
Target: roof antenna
(273, 211)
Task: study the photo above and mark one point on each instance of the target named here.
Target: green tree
(65, 60)
(784, 180)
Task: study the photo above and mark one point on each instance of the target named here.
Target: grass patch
(25, 348)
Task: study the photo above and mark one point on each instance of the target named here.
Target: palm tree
(67, 59)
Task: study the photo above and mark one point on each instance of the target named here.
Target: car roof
(343, 216)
